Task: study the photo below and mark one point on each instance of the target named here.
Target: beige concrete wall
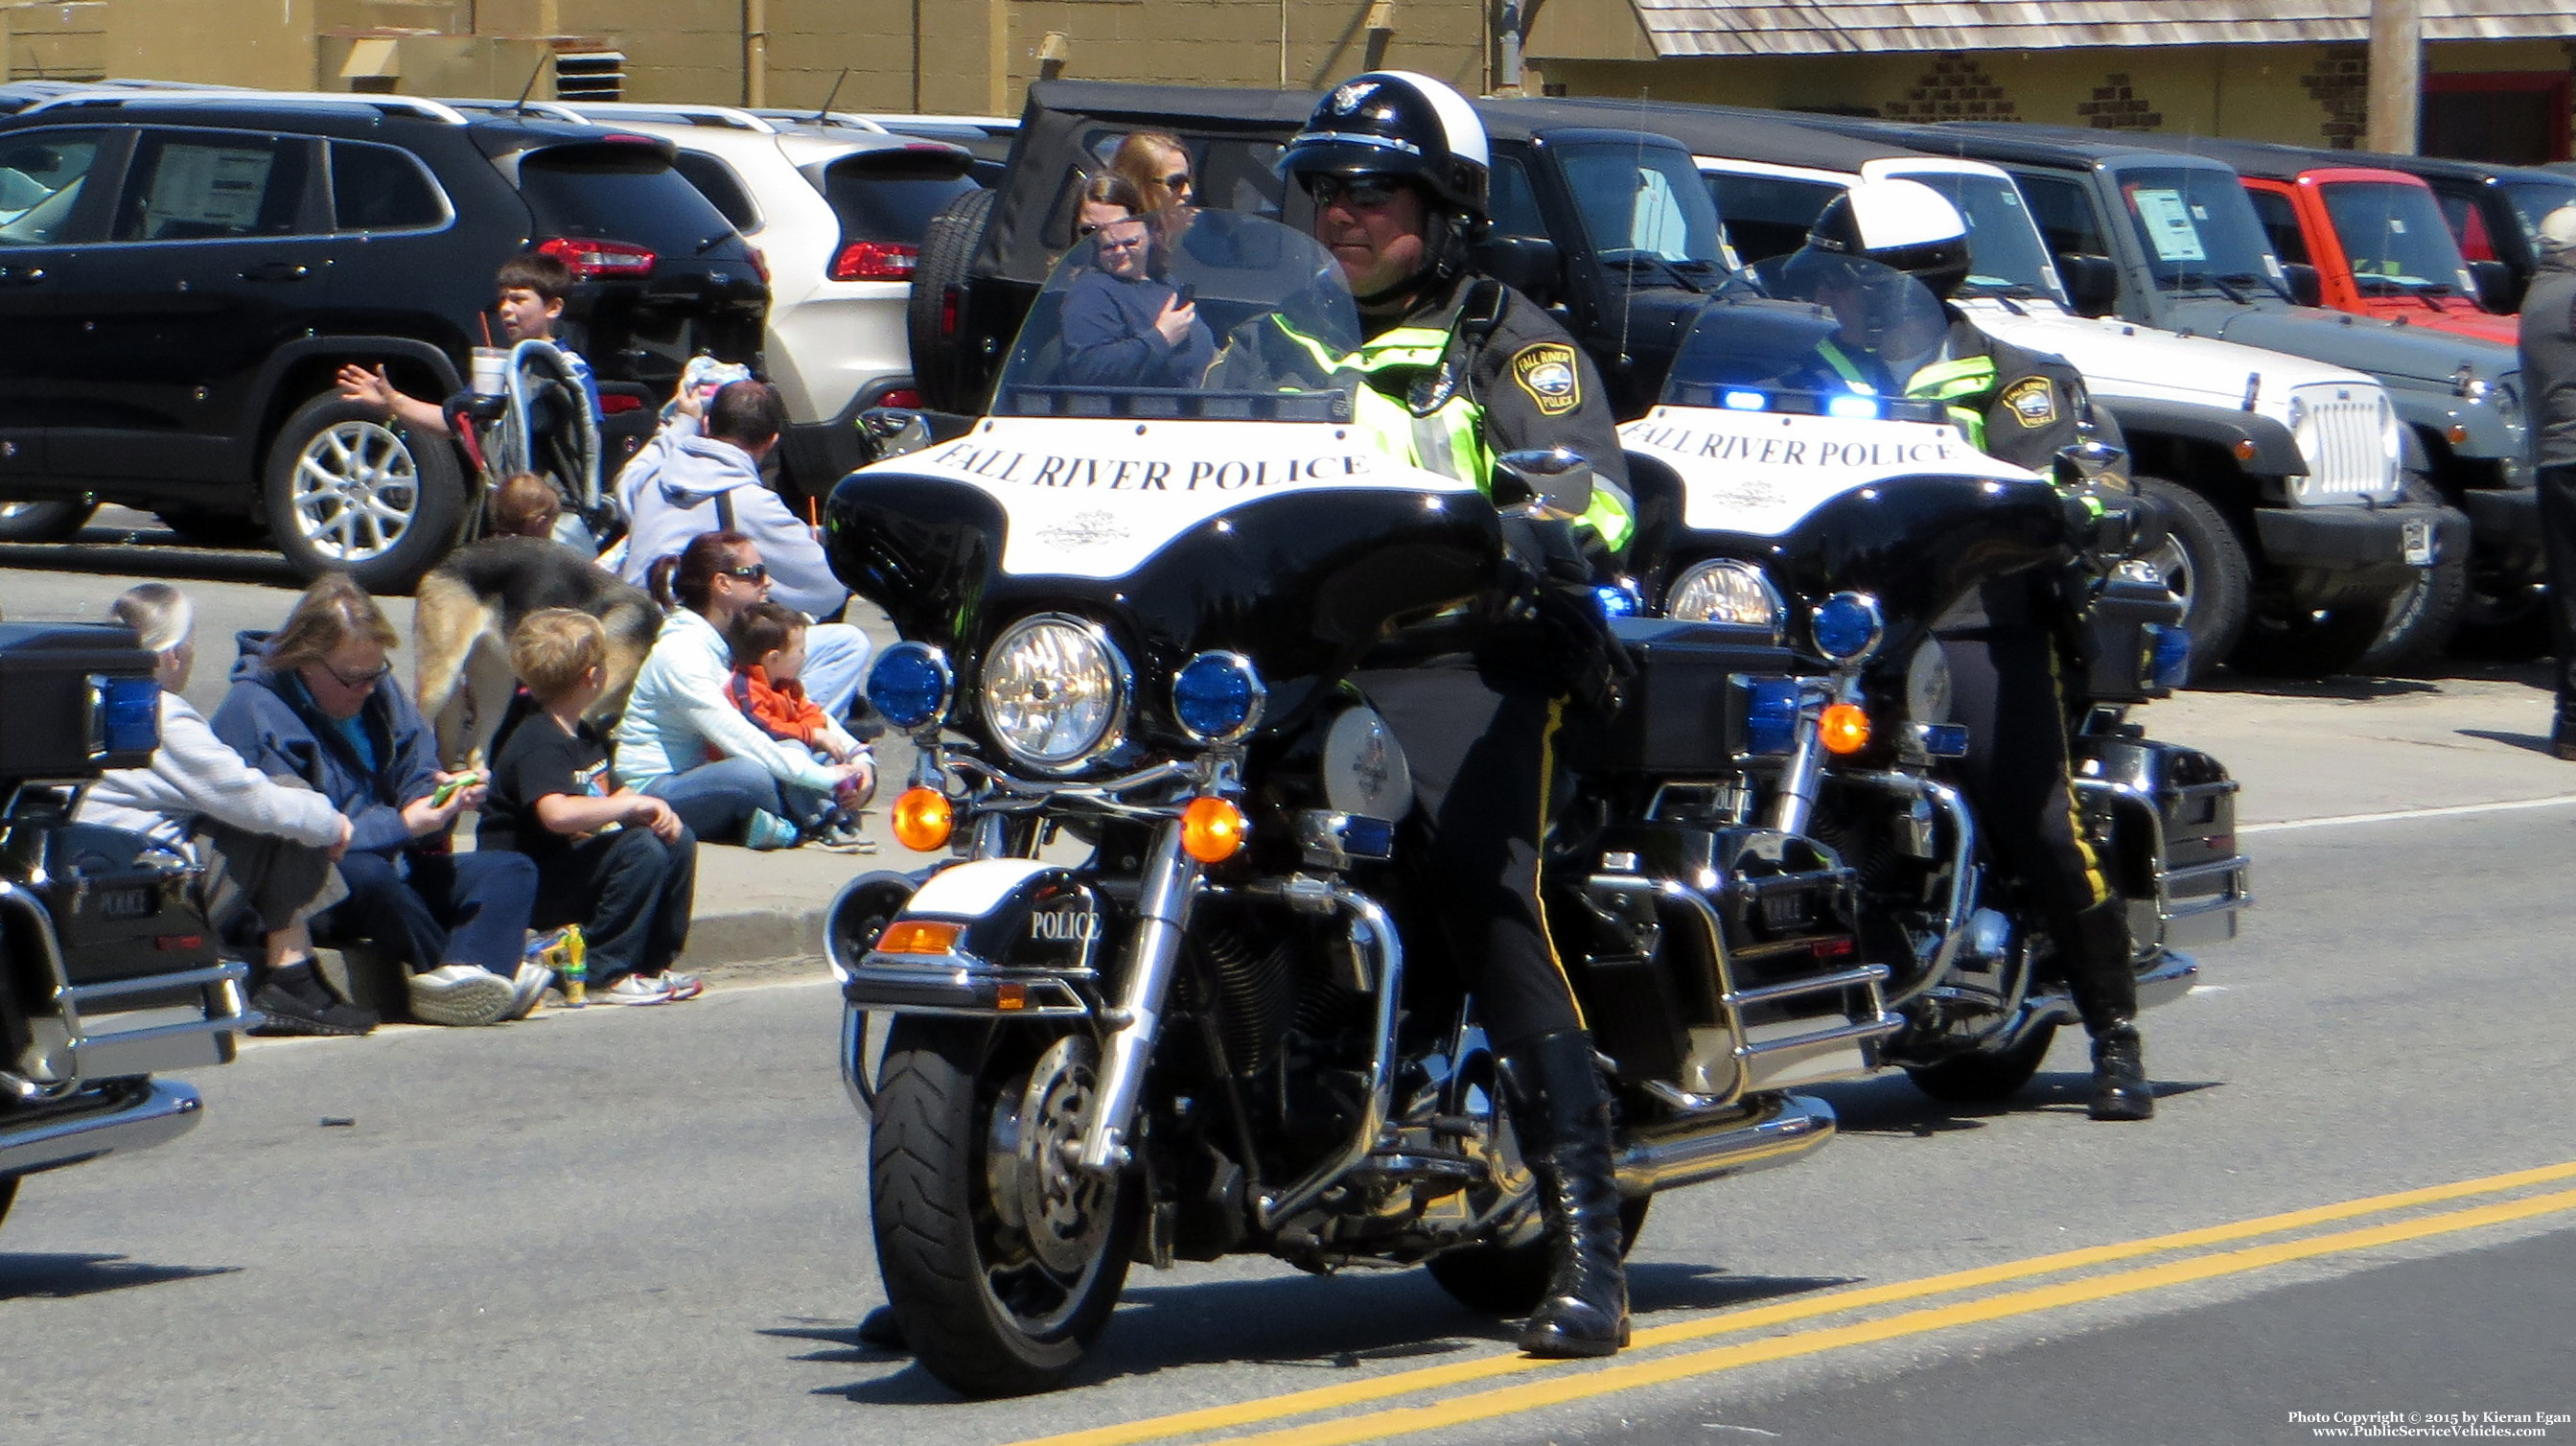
(268, 43)
(63, 42)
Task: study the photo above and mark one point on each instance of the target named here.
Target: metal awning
(1834, 27)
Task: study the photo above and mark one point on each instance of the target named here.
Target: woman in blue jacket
(1123, 325)
(316, 700)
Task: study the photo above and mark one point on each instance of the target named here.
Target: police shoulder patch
(2033, 401)
(1547, 372)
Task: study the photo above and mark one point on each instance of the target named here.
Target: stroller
(545, 421)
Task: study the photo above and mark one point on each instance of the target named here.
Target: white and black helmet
(1898, 223)
(1398, 123)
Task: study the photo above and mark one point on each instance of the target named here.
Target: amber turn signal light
(922, 819)
(1845, 727)
(1213, 830)
(918, 936)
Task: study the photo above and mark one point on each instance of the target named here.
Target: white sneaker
(528, 989)
(633, 989)
(461, 994)
(680, 986)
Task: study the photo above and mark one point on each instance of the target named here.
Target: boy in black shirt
(620, 864)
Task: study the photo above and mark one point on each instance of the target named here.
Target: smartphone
(450, 788)
(1184, 294)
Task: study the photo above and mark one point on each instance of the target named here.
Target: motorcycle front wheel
(1000, 1260)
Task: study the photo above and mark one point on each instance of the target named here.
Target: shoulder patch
(2033, 401)
(1547, 372)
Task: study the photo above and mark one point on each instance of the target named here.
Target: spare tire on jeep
(946, 376)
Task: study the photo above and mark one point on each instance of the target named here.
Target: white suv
(838, 211)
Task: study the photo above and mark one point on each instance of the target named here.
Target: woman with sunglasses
(1123, 325)
(317, 701)
(758, 790)
(1158, 166)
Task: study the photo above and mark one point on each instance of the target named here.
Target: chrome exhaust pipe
(1777, 1131)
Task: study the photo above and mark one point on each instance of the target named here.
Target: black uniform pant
(631, 894)
(2004, 687)
(2558, 543)
(1477, 741)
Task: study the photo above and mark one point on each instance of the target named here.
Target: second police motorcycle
(1171, 1001)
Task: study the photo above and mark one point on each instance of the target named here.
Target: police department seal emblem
(1547, 372)
(2033, 402)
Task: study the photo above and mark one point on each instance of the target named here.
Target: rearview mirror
(1529, 265)
(2092, 283)
(1553, 478)
(892, 431)
(2498, 291)
(2306, 287)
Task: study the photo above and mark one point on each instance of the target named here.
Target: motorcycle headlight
(1847, 626)
(1055, 691)
(909, 685)
(1727, 591)
(1217, 697)
(1927, 684)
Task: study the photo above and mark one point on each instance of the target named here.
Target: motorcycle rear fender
(1022, 940)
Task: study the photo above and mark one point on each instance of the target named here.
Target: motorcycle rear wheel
(1510, 1280)
(1984, 1078)
(1001, 1264)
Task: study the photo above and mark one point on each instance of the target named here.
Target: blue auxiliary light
(1217, 696)
(1854, 408)
(2172, 655)
(909, 685)
(1745, 401)
(1846, 626)
(1618, 600)
(130, 715)
(1771, 714)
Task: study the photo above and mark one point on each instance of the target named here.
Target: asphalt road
(649, 1225)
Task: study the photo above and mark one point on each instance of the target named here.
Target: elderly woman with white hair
(267, 846)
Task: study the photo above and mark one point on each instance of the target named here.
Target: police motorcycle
(1801, 497)
(1167, 1005)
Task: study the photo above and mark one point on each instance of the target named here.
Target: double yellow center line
(1562, 1382)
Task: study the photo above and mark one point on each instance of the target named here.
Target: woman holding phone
(1124, 326)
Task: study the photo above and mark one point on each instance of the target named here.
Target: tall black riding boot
(1562, 1117)
(2106, 993)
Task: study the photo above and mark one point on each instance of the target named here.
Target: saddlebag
(2163, 817)
(1683, 713)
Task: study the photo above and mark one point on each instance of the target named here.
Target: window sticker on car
(2169, 224)
(207, 186)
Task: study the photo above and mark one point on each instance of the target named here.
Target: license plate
(2419, 542)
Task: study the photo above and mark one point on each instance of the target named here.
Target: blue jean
(716, 799)
(450, 909)
(836, 666)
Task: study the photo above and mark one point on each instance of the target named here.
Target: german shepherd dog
(466, 609)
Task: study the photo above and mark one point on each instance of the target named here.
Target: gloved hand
(1585, 660)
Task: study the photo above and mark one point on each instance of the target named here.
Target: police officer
(1460, 369)
(2021, 407)
(2548, 344)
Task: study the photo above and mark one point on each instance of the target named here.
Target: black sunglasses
(366, 680)
(1365, 192)
(1177, 180)
(749, 572)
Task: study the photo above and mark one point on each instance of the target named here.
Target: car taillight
(593, 260)
(759, 264)
(948, 310)
(899, 397)
(612, 403)
(875, 261)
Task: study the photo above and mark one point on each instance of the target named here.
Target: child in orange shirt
(768, 646)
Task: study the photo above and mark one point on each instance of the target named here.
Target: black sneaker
(296, 1001)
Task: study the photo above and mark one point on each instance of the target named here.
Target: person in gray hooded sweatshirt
(700, 474)
(2549, 375)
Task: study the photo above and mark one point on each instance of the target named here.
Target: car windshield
(1644, 207)
(2003, 243)
(2535, 199)
(2394, 237)
(1187, 314)
(2199, 232)
(1813, 333)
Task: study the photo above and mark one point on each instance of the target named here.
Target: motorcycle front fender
(989, 938)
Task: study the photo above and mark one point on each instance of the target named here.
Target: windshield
(2535, 199)
(2199, 232)
(1643, 205)
(2003, 244)
(1187, 314)
(2394, 237)
(1815, 333)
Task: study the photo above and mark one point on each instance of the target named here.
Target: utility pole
(2396, 75)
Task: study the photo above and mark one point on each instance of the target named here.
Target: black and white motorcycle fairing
(1166, 1002)
(1790, 485)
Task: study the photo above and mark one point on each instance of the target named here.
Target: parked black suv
(181, 273)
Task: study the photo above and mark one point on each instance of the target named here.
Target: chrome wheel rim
(1045, 1235)
(356, 491)
(2171, 560)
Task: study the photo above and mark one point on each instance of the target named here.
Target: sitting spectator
(1122, 325)
(702, 474)
(525, 505)
(761, 790)
(620, 864)
(266, 847)
(317, 701)
(768, 646)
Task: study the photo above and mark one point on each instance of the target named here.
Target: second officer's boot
(1562, 1117)
(2106, 992)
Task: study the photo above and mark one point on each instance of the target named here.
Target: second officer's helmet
(1898, 223)
(1398, 123)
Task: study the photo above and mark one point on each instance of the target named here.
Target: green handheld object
(449, 789)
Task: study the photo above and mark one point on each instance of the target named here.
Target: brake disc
(1062, 1212)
